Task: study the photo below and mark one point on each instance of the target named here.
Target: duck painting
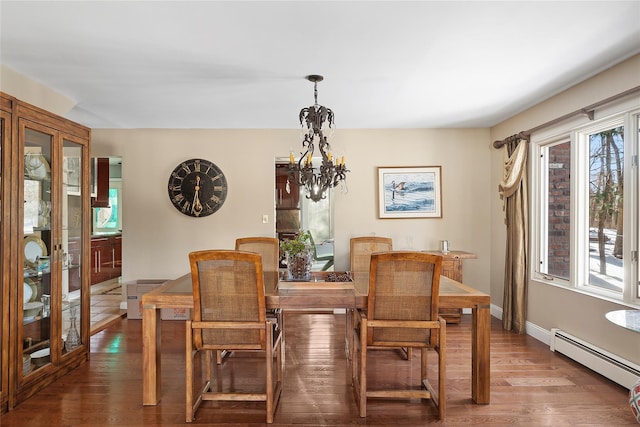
(398, 187)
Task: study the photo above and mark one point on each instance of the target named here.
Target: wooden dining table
(289, 295)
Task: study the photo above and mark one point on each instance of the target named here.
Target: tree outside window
(606, 188)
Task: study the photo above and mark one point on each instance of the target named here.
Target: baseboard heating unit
(601, 361)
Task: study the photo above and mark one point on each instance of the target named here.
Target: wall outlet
(265, 219)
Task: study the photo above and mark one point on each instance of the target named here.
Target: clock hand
(197, 206)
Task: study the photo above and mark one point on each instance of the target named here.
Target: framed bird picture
(410, 192)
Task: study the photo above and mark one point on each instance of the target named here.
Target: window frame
(575, 131)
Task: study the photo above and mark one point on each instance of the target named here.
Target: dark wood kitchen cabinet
(106, 258)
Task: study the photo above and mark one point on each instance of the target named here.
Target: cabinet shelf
(30, 320)
(29, 178)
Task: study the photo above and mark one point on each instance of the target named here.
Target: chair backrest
(269, 249)
(228, 286)
(360, 251)
(404, 285)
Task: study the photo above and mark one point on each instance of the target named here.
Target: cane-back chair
(402, 311)
(269, 249)
(360, 250)
(229, 314)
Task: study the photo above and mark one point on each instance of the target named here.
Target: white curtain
(513, 192)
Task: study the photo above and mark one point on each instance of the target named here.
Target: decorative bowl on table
(32, 309)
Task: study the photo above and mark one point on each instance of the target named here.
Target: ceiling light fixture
(316, 181)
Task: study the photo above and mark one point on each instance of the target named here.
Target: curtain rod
(586, 111)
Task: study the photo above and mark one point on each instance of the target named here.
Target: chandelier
(316, 181)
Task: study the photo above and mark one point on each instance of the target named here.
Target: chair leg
(189, 373)
(363, 369)
(349, 332)
(279, 361)
(408, 352)
(442, 370)
(209, 366)
(269, 373)
(282, 336)
(279, 372)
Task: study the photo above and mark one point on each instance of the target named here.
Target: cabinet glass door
(5, 134)
(38, 287)
(72, 223)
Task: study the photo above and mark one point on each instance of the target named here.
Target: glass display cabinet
(5, 158)
(49, 291)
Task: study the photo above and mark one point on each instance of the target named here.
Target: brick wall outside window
(559, 194)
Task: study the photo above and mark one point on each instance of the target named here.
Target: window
(108, 219)
(605, 207)
(584, 224)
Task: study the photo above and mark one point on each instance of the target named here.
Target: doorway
(295, 212)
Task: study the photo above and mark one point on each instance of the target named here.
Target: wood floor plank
(530, 385)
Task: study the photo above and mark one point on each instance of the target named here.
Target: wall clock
(197, 188)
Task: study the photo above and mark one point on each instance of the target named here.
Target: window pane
(108, 217)
(606, 163)
(559, 213)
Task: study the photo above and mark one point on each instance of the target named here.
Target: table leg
(348, 337)
(282, 338)
(480, 354)
(151, 368)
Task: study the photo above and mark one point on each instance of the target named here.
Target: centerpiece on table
(298, 256)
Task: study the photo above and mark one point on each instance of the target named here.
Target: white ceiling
(223, 64)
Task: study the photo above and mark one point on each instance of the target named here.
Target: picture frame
(410, 192)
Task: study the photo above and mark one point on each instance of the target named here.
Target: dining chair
(229, 314)
(360, 250)
(269, 249)
(402, 311)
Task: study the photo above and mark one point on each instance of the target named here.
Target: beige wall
(551, 306)
(157, 238)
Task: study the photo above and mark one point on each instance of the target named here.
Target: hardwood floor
(530, 385)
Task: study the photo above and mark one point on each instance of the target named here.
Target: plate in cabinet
(34, 248)
(30, 289)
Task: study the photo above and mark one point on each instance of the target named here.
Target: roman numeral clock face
(197, 188)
